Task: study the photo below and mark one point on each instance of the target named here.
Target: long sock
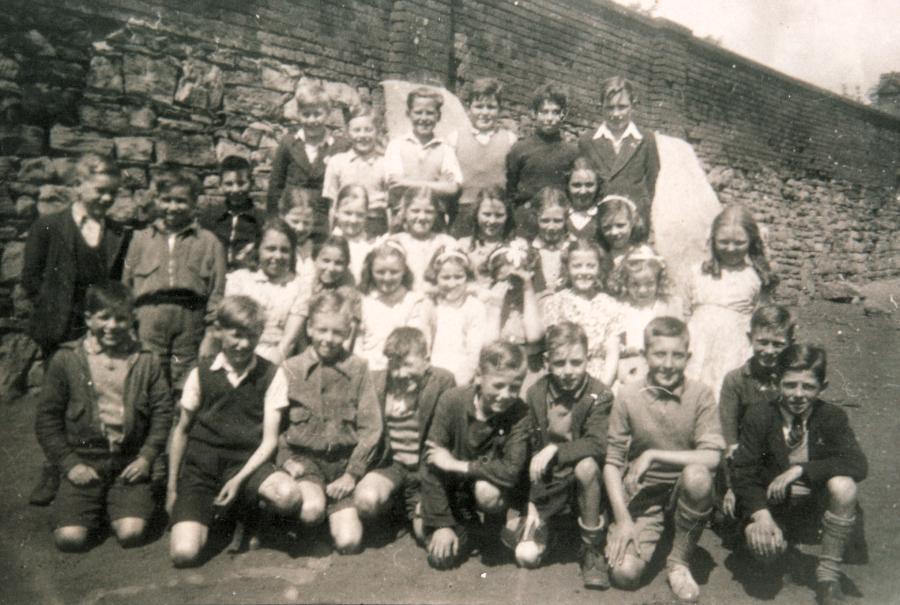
(592, 536)
(689, 525)
(836, 532)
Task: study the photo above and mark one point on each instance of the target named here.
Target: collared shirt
(108, 373)
(312, 151)
(648, 417)
(275, 398)
(350, 168)
(559, 410)
(630, 131)
(91, 229)
(435, 160)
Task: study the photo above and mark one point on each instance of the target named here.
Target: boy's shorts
(556, 495)
(649, 509)
(111, 497)
(321, 470)
(408, 486)
(204, 471)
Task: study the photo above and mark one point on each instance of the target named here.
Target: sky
(829, 43)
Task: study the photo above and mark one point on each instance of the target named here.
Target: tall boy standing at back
(664, 444)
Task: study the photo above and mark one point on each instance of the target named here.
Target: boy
(664, 443)
(231, 410)
(477, 454)
(541, 160)
(237, 224)
(625, 157)
(176, 270)
(408, 392)
(103, 417)
(569, 410)
(300, 157)
(362, 165)
(334, 426)
(756, 383)
(797, 457)
(481, 151)
(67, 252)
(420, 159)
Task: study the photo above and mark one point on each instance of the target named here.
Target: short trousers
(649, 509)
(321, 470)
(111, 498)
(556, 495)
(407, 486)
(205, 470)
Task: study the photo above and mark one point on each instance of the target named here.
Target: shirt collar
(92, 346)
(300, 135)
(221, 363)
(787, 418)
(661, 393)
(311, 361)
(434, 142)
(557, 394)
(590, 212)
(353, 156)
(79, 214)
(752, 370)
(160, 227)
(630, 131)
(539, 244)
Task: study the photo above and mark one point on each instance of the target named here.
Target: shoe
(682, 584)
(48, 484)
(829, 593)
(594, 570)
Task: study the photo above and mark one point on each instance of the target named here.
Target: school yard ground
(864, 359)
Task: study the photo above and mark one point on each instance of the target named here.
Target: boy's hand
(228, 492)
(541, 462)
(341, 487)
(778, 489)
(729, 503)
(619, 541)
(138, 470)
(443, 547)
(293, 468)
(636, 472)
(764, 536)
(441, 458)
(532, 522)
(82, 474)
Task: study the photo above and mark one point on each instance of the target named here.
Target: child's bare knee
(312, 511)
(842, 491)
(129, 531)
(367, 502)
(627, 574)
(72, 538)
(282, 494)
(347, 537)
(184, 553)
(489, 498)
(528, 554)
(696, 482)
(587, 471)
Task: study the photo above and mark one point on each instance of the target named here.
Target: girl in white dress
(419, 238)
(350, 214)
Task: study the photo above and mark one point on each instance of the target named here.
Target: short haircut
(108, 296)
(503, 356)
(388, 248)
(93, 164)
(330, 301)
(773, 317)
(565, 334)
(666, 327)
(425, 93)
(803, 358)
(403, 341)
(180, 178)
(293, 197)
(311, 93)
(604, 263)
(549, 92)
(279, 225)
(484, 87)
(363, 111)
(234, 163)
(616, 85)
(241, 313)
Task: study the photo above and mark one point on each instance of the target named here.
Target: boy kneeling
(228, 429)
(408, 392)
(104, 417)
(478, 451)
(796, 457)
(569, 410)
(665, 438)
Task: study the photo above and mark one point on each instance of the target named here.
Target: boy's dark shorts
(321, 470)
(408, 486)
(205, 470)
(556, 495)
(111, 497)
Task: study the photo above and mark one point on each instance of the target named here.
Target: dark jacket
(67, 422)
(291, 168)
(762, 453)
(590, 415)
(49, 273)
(218, 219)
(437, 381)
(499, 457)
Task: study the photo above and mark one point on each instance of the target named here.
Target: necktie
(795, 435)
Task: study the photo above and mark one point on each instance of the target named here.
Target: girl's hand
(341, 487)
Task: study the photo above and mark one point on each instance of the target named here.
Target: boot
(594, 569)
(47, 486)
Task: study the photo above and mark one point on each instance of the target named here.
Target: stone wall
(172, 81)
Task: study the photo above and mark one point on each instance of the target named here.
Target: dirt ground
(863, 372)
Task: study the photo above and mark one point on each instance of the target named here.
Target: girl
(420, 213)
(584, 188)
(622, 227)
(585, 268)
(299, 215)
(722, 294)
(278, 290)
(641, 284)
(552, 237)
(494, 228)
(460, 318)
(388, 303)
(350, 215)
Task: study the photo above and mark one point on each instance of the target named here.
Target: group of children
(477, 331)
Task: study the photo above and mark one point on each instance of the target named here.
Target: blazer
(49, 272)
(291, 168)
(762, 453)
(218, 220)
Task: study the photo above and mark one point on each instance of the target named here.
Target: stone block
(105, 73)
(149, 75)
(254, 101)
(12, 261)
(37, 170)
(838, 291)
(143, 118)
(18, 355)
(134, 149)
(200, 85)
(64, 169)
(282, 78)
(9, 68)
(211, 181)
(103, 117)
(134, 177)
(21, 140)
(225, 148)
(63, 138)
(185, 149)
(52, 198)
(26, 207)
(251, 136)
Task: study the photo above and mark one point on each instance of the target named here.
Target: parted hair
(109, 296)
(403, 341)
(802, 358)
(493, 194)
(484, 87)
(425, 93)
(618, 84)
(503, 356)
(665, 327)
(549, 92)
(564, 334)
(240, 313)
(773, 317)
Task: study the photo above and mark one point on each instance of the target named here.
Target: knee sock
(836, 531)
(688, 527)
(592, 537)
